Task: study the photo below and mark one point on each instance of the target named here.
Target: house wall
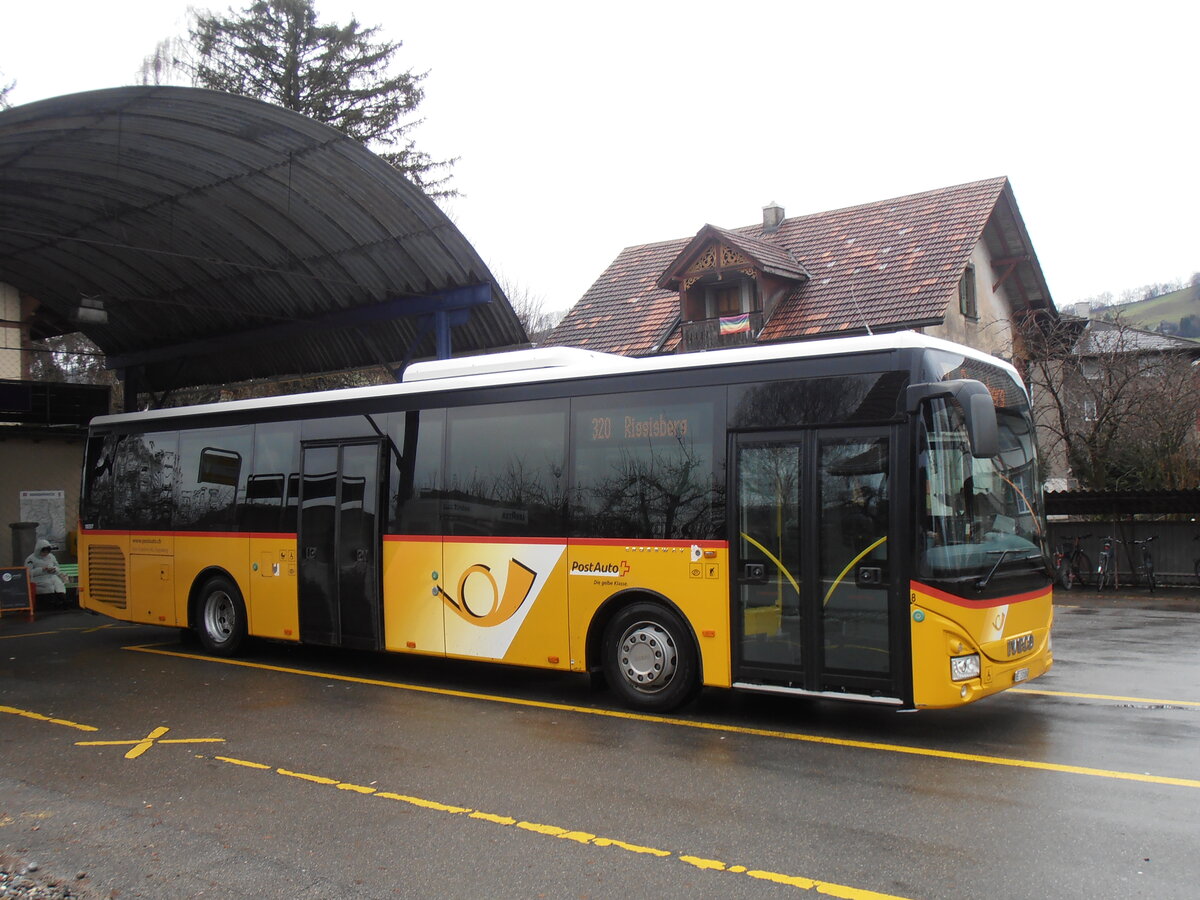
(37, 464)
(991, 331)
(10, 334)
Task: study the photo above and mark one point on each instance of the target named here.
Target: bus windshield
(981, 520)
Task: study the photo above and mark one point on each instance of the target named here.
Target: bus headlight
(964, 667)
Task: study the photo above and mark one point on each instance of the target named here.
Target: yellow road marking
(425, 804)
(141, 745)
(318, 779)
(1110, 697)
(580, 837)
(9, 637)
(702, 726)
(241, 762)
(12, 710)
(91, 629)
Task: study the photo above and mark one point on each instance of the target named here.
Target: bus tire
(649, 659)
(220, 617)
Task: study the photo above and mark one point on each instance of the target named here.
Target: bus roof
(562, 363)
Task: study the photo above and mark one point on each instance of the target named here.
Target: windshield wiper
(984, 581)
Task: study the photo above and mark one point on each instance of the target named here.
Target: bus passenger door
(339, 539)
(811, 580)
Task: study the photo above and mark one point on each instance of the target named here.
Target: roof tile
(887, 264)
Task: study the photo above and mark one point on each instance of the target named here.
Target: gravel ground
(26, 880)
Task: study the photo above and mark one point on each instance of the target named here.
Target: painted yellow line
(141, 745)
(828, 888)
(88, 630)
(241, 762)
(318, 779)
(12, 710)
(701, 726)
(1113, 698)
(9, 637)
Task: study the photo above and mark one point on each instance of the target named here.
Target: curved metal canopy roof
(229, 239)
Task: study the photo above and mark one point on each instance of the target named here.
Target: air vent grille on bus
(106, 574)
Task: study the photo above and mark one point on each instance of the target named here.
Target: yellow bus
(857, 519)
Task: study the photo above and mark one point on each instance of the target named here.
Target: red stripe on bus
(979, 604)
(627, 542)
(572, 542)
(478, 539)
(261, 535)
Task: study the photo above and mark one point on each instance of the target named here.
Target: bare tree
(4, 89)
(170, 62)
(531, 311)
(1116, 405)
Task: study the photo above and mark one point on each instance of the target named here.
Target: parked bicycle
(1106, 565)
(1071, 565)
(1145, 568)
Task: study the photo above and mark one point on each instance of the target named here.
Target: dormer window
(729, 298)
(729, 285)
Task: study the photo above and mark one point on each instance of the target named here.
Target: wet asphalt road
(309, 773)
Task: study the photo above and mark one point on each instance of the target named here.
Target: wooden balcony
(705, 334)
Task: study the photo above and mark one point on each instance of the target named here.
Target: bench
(69, 573)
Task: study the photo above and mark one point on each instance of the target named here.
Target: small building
(1117, 406)
(955, 262)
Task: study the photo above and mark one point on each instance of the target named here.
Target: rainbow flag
(735, 324)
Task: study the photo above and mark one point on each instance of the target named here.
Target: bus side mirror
(979, 412)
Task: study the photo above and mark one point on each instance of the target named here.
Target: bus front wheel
(649, 659)
(220, 617)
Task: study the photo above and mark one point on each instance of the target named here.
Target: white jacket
(43, 570)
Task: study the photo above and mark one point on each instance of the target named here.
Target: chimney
(1083, 309)
(772, 217)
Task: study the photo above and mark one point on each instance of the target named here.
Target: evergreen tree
(277, 51)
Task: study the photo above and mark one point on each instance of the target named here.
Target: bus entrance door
(339, 544)
(810, 563)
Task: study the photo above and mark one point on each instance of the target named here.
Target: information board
(49, 510)
(16, 593)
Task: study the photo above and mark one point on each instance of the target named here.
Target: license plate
(1020, 675)
(1019, 645)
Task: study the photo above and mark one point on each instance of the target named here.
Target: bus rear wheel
(220, 617)
(649, 659)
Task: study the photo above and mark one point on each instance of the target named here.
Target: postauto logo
(599, 568)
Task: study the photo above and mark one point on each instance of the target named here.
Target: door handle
(360, 554)
(869, 577)
(754, 572)
(310, 552)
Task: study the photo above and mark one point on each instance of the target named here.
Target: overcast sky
(585, 128)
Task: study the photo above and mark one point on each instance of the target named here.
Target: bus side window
(212, 476)
(145, 480)
(506, 469)
(415, 442)
(99, 476)
(272, 469)
(644, 467)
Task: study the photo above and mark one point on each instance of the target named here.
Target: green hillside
(1170, 308)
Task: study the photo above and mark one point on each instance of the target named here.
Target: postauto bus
(856, 519)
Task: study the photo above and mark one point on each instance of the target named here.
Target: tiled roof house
(955, 262)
